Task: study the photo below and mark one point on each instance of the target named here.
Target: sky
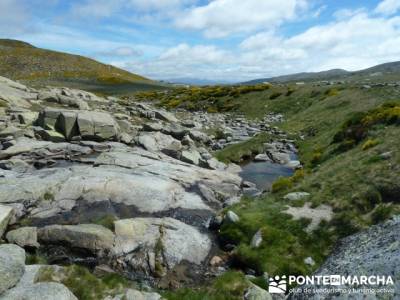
(219, 40)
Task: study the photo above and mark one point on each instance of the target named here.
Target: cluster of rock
(281, 152)
(232, 129)
(18, 281)
(64, 166)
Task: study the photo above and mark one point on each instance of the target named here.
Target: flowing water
(263, 174)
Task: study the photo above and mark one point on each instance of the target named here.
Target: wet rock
(6, 213)
(262, 157)
(12, 266)
(23, 237)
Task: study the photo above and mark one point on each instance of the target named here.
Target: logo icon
(277, 285)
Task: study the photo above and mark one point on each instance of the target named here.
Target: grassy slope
(362, 188)
(359, 186)
(21, 61)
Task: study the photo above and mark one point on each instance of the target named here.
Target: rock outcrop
(373, 252)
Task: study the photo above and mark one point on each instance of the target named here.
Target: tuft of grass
(285, 242)
(83, 284)
(245, 150)
(229, 286)
(106, 221)
(369, 144)
(281, 184)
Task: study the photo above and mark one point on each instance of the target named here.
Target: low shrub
(369, 144)
(275, 95)
(281, 184)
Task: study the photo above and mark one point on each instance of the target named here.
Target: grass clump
(285, 242)
(229, 286)
(245, 150)
(369, 144)
(356, 129)
(106, 221)
(281, 184)
(83, 284)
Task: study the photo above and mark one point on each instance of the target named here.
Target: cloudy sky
(222, 40)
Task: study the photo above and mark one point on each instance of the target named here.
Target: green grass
(229, 286)
(39, 67)
(244, 150)
(285, 242)
(356, 182)
(83, 284)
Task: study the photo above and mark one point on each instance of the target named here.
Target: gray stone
(92, 237)
(191, 157)
(12, 266)
(23, 237)
(40, 291)
(262, 157)
(6, 213)
(257, 239)
(375, 251)
(170, 236)
(231, 217)
(254, 292)
(131, 294)
(309, 261)
(199, 136)
(99, 125)
(296, 196)
(15, 94)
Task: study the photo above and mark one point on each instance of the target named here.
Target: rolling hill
(387, 72)
(38, 67)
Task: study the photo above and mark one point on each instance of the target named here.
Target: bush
(369, 144)
(281, 184)
(381, 213)
(357, 127)
(332, 92)
(275, 95)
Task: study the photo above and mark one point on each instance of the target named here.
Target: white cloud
(388, 7)
(220, 18)
(13, 17)
(123, 51)
(183, 60)
(356, 42)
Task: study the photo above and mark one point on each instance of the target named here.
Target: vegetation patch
(83, 284)
(245, 150)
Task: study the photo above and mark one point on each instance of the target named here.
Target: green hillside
(35, 66)
(347, 136)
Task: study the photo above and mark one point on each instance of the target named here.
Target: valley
(134, 190)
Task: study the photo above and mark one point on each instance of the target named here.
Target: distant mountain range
(35, 66)
(390, 71)
(196, 81)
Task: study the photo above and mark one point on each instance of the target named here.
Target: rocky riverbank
(102, 182)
